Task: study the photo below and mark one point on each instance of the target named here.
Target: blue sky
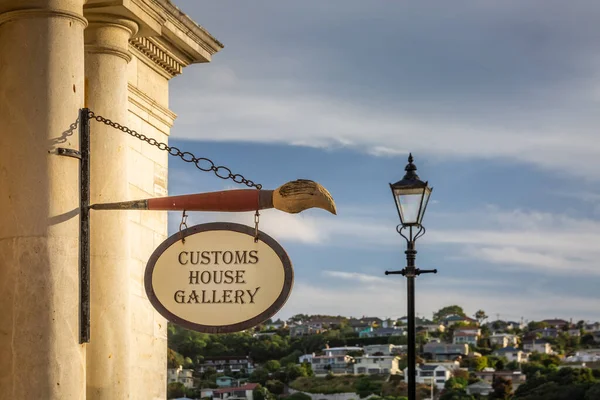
(497, 101)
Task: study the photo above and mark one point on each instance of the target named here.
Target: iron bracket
(61, 151)
(84, 226)
(83, 155)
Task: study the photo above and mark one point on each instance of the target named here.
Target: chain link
(202, 163)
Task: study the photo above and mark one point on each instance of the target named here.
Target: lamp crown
(410, 169)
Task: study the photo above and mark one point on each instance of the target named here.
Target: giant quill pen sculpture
(293, 197)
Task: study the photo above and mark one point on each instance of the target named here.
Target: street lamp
(411, 195)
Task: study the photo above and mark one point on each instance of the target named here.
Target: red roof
(247, 386)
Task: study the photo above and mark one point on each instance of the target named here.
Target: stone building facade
(115, 57)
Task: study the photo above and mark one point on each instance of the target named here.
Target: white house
(584, 356)
(180, 375)
(512, 354)
(306, 358)
(340, 364)
(428, 372)
(376, 365)
(539, 345)
(504, 340)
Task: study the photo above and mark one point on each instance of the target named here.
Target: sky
(497, 101)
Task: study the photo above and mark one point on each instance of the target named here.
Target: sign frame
(286, 290)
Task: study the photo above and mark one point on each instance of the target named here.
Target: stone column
(41, 90)
(106, 57)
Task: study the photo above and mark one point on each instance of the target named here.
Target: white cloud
(279, 225)
(389, 300)
(267, 116)
(355, 276)
(547, 243)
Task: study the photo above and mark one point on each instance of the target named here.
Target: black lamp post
(411, 196)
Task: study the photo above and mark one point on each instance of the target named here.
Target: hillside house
(465, 338)
(455, 319)
(545, 333)
(539, 345)
(481, 388)
(516, 377)
(556, 323)
(299, 330)
(340, 351)
(444, 351)
(376, 365)
(384, 349)
(339, 364)
(428, 373)
(504, 340)
(382, 332)
(306, 358)
(181, 375)
(512, 354)
(227, 364)
(240, 392)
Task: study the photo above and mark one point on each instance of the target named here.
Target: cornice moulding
(150, 51)
(150, 106)
(167, 37)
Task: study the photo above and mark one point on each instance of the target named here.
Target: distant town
(317, 357)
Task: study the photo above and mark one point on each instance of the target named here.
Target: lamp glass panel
(409, 204)
(426, 194)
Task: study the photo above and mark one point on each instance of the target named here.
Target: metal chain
(202, 163)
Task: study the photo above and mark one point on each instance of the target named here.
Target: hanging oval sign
(215, 278)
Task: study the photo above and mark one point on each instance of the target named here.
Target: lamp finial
(410, 169)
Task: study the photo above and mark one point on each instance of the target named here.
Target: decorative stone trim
(40, 13)
(113, 50)
(156, 54)
(146, 104)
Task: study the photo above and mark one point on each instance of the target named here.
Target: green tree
(291, 358)
(174, 359)
(502, 389)
(272, 366)
(262, 393)
(274, 386)
(588, 339)
(533, 325)
(480, 316)
(175, 389)
(298, 396)
(259, 375)
(447, 311)
(476, 363)
(307, 368)
(456, 383)
(593, 393)
(365, 386)
(512, 366)
(457, 394)
(293, 372)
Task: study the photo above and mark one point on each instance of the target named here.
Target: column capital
(109, 34)
(41, 13)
